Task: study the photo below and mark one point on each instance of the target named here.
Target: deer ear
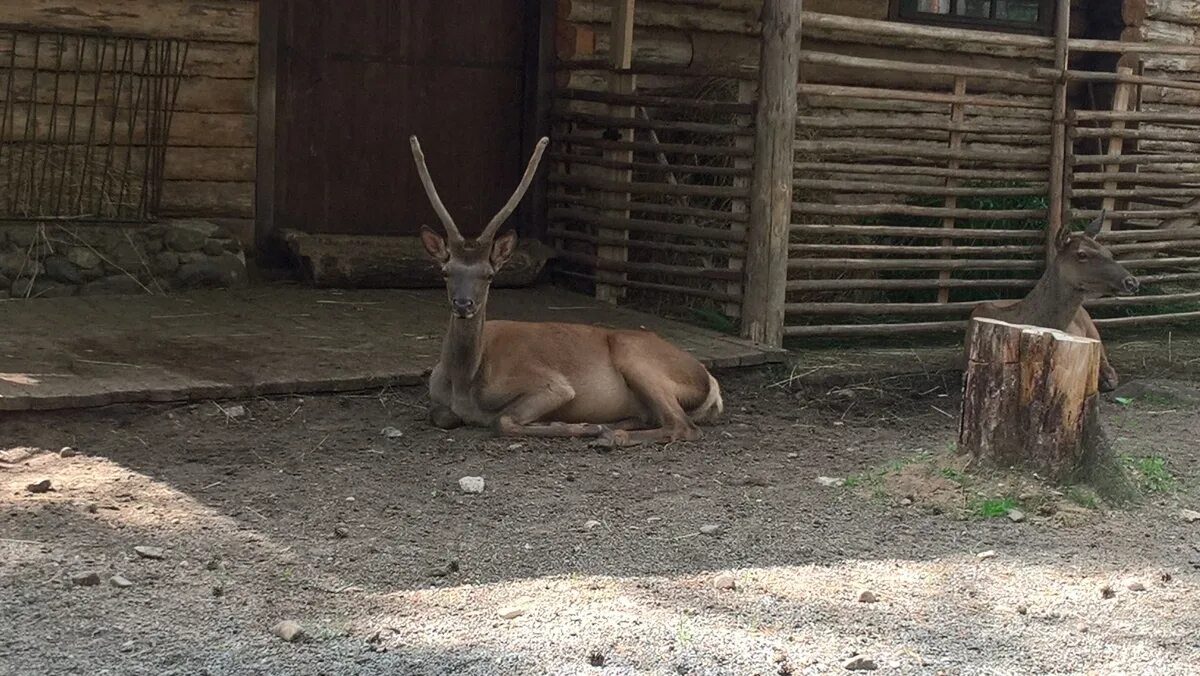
(1093, 228)
(1063, 238)
(434, 245)
(502, 248)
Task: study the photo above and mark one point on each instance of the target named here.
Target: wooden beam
(1058, 136)
(957, 114)
(620, 82)
(771, 180)
(1116, 143)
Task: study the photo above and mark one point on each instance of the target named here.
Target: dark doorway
(355, 79)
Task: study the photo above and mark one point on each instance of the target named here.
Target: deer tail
(712, 407)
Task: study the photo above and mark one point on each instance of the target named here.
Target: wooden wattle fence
(902, 175)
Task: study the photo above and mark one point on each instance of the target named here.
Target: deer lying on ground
(550, 379)
(1082, 269)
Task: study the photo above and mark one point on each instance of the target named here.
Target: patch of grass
(1083, 496)
(1150, 473)
(683, 632)
(856, 480)
(991, 508)
(953, 474)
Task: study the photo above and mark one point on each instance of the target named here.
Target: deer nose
(464, 304)
(1131, 284)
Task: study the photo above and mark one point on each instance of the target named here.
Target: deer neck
(462, 350)
(1052, 303)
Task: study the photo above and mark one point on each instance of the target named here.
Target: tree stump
(1030, 398)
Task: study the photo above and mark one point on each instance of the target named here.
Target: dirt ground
(575, 560)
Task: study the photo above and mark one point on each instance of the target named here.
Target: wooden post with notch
(1116, 143)
(1030, 398)
(1058, 129)
(620, 81)
(957, 116)
(764, 291)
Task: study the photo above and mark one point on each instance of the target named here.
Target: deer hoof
(444, 418)
(610, 438)
(1109, 379)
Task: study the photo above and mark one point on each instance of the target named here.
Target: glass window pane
(927, 6)
(981, 9)
(1018, 10)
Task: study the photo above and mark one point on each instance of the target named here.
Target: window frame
(1044, 26)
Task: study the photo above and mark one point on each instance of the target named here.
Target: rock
(710, 529)
(831, 481)
(22, 235)
(591, 524)
(517, 609)
(984, 556)
(120, 581)
(164, 262)
(448, 568)
(1107, 592)
(390, 432)
(15, 263)
(146, 552)
(471, 484)
(724, 581)
(86, 579)
(596, 658)
(1135, 585)
(215, 247)
(867, 596)
(42, 486)
(860, 663)
(67, 452)
(289, 630)
(1015, 515)
(113, 285)
(1189, 515)
(235, 411)
(62, 270)
(516, 447)
(83, 258)
(220, 272)
(341, 531)
(793, 456)
(1022, 610)
(188, 235)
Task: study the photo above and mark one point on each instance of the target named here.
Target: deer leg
(1082, 325)
(518, 418)
(444, 418)
(657, 394)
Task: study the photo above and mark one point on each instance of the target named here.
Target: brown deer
(1082, 269)
(550, 379)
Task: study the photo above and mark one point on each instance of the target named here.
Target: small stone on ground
(149, 552)
(591, 524)
(1016, 515)
(860, 663)
(710, 529)
(67, 452)
(1135, 585)
(867, 596)
(471, 484)
(86, 579)
(390, 432)
(120, 581)
(42, 486)
(289, 630)
(831, 481)
(1190, 515)
(725, 581)
(984, 556)
(517, 609)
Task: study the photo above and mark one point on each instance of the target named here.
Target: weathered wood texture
(210, 165)
(1030, 398)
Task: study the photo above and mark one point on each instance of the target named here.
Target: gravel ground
(574, 560)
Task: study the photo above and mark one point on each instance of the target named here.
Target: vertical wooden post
(620, 81)
(746, 94)
(957, 115)
(771, 179)
(1116, 144)
(1058, 128)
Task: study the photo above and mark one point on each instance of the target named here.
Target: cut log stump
(1030, 399)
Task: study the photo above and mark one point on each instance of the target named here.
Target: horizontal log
(842, 104)
(1138, 178)
(902, 66)
(1141, 134)
(1147, 320)
(1151, 235)
(1037, 106)
(608, 204)
(913, 210)
(896, 284)
(1166, 33)
(612, 122)
(650, 268)
(1136, 12)
(918, 121)
(895, 150)
(803, 230)
(649, 245)
(914, 189)
(195, 94)
(1143, 80)
(872, 329)
(1136, 193)
(1120, 214)
(914, 250)
(604, 144)
(930, 138)
(891, 170)
(652, 101)
(663, 14)
(212, 20)
(962, 307)
(895, 34)
(1137, 116)
(210, 164)
(643, 225)
(187, 128)
(640, 188)
(207, 199)
(1133, 46)
(650, 167)
(654, 286)
(678, 69)
(63, 53)
(805, 264)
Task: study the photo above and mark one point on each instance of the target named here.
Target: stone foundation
(44, 260)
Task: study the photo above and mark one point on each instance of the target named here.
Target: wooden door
(357, 77)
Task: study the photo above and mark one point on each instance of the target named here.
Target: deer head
(1088, 267)
(469, 266)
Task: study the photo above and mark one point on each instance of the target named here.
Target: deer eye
(1082, 256)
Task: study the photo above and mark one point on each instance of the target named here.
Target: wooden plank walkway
(94, 351)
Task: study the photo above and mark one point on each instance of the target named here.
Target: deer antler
(490, 231)
(426, 181)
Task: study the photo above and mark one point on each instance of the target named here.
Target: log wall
(210, 163)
